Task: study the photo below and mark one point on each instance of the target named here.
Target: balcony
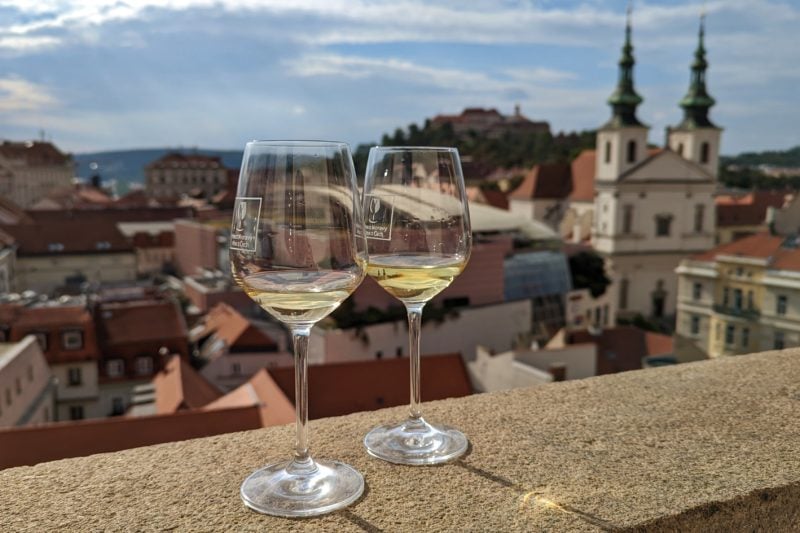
(709, 446)
(747, 314)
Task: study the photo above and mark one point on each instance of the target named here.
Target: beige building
(739, 298)
(176, 175)
(26, 384)
(153, 243)
(31, 170)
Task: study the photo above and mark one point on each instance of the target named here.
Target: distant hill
(775, 158)
(126, 167)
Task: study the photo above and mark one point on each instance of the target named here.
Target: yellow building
(739, 298)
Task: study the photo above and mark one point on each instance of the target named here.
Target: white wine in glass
(419, 239)
(297, 249)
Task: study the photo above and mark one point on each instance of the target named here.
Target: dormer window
(631, 151)
(55, 247)
(103, 245)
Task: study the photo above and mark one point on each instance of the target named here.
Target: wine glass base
(302, 489)
(415, 442)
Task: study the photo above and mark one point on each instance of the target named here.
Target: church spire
(697, 101)
(624, 99)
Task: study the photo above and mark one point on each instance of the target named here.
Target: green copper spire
(624, 99)
(697, 101)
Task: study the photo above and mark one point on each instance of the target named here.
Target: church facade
(652, 207)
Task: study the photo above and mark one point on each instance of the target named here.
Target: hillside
(775, 158)
(126, 167)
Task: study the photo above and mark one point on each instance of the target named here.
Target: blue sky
(111, 74)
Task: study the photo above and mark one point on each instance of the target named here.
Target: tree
(588, 272)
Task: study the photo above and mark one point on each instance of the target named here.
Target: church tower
(696, 138)
(622, 141)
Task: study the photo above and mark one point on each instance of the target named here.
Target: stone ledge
(710, 446)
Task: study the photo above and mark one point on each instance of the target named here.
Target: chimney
(558, 371)
(517, 110)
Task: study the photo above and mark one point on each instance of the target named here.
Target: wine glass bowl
(297, 249)
(419, 239)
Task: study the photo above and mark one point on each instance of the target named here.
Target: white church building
(651, 207)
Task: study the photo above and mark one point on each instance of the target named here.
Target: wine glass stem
(414, 326)
(300, 341)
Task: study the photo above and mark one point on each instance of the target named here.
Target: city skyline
(201, 73)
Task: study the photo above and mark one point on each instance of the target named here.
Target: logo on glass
(379, 217)
(244, 234)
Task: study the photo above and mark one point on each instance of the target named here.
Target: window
(730, 331)
(631, 151)
(750, 304)
(74, 377)
(699, 214)
(695, 325)
(697, 291)
(780, 307)
(704, 152)
(42, 338)
(4, 337)
(398, 352)
(627, 219)
(605, 315)
(745, 337)
(144, 366)
(737, 299)
(236, 369)
(8, 396)
(663, 223)
(725, 296)
(72, 340)
(115, 368)
(779, 340)
(623, 293)
(379, 354)
(680, 149)
(608, 151)
(18, 386)
(117, 406)
(76, 412)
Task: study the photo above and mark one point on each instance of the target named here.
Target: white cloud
(19, 95)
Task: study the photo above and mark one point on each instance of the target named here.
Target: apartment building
(739, 298)
(176, 175)
(31, 170)
(26, 384)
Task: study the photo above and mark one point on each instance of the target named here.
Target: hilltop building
(31, 170)
(490, 122)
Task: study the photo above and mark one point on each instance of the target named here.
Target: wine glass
(297, 249)
(419, 240)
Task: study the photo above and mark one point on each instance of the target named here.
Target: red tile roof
(37, 444)
(545, 181)
(583, 174)
(622, 348)
(760, 245)
(238, 333)
(34, 153)
(53, 321)
(180, 387)
(140, 321)
(261, 391)
(67, 237)
(747, 209)
(343, 388)
(11, 213)
(179, 160)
